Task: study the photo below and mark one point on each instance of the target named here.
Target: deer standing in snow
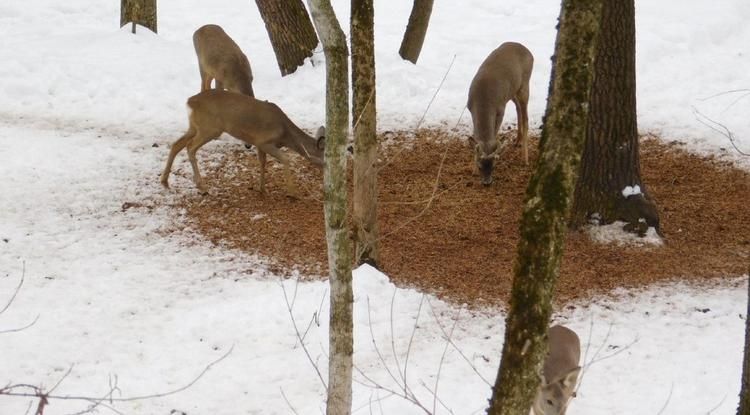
(221, 59)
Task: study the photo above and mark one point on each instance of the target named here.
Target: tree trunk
(547, 205)
(365, 140)
(416, 30)
(142, 12)
(744, 406)
(611, 160)
(341, 342)
(290, 30)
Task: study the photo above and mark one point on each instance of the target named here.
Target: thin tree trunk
(411, 45)
(341, 343)
(142, 12)
(744, 406)
(290, 30)
(547, 205)
(365, 140)
(611, 159)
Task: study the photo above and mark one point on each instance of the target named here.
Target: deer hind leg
(178, 145)
(280, 156)
(522, 110)
(199, 140)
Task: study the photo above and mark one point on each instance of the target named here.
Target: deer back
(219, 57)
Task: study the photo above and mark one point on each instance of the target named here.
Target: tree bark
(411, 45)
(290, 30)
(744, 407)
(546, 207)
(142, 12)
(611, 160)
(365, 140)
(341, 343)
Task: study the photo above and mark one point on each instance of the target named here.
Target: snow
(613, 233)
(631, 190)
(118, 294)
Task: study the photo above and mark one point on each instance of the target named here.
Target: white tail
(255, 122)
(561, 370)
(220, 58)
(503, 76)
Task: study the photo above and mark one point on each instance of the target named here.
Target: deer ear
(570, 378)
(321, 132)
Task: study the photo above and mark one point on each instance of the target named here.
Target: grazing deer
(255, 122)
(502, 77)
(561, 369)
(220, 58)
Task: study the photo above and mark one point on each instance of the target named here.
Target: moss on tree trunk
(142, 12)
(546, 207)
(341, 340)
(365, 198)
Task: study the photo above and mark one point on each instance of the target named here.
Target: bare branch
(18, 288)
(455, 346)
(299, 337)
(294, 411)
(719, 128)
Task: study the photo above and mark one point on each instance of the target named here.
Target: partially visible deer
(561, 370)
(503, 76)
(255, 122)
(220, 58)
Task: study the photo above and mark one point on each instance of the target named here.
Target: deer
(221, 59)
(503, 76)
(259, 123)
(560, 373)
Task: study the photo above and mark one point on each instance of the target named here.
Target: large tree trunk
(365, 141)
(142, 12)
(337, 236)
(290, 30)
(744, 406)
(416, 30)
(611, 158)
(547, 205)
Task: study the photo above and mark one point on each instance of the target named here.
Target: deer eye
(549, 402)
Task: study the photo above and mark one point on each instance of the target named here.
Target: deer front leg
(262, 161)
(280, 156)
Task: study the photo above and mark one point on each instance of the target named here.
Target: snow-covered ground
(82, 102)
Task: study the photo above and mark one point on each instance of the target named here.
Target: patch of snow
(631, 190)
(613, 233)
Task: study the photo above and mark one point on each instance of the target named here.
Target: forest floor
(458, 239)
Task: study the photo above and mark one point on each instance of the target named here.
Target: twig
(442, 360)
(440, 86)
(411, 338)
(393, 342)
(666, 403)
(18, 288)
(460, 352)
(299, 337)
(719, 128)
(375, 345)
(717, 405)
(294, 411)
(44, 397)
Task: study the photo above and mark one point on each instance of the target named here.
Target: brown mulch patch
(462, 246)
